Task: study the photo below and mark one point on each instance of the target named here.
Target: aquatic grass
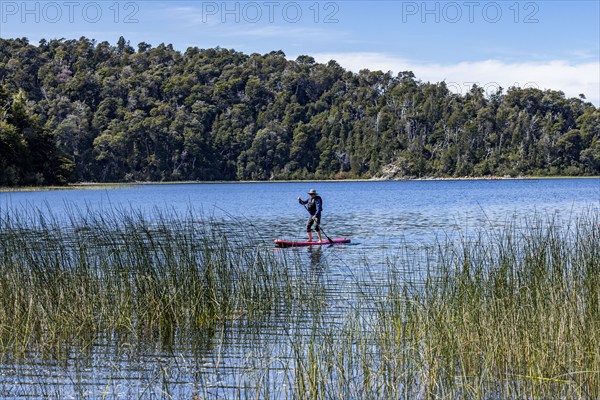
(511, 314)
(506, 313)
(125, 272)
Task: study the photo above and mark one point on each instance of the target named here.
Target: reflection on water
(315, 258)
(397, 230)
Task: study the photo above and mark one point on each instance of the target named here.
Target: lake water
(375, 215)
(382, 219)
(370, 212)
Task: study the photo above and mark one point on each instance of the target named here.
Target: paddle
(328, 238)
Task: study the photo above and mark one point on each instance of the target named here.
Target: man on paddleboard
(314, 205)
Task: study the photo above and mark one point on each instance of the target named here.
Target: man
(314, 205)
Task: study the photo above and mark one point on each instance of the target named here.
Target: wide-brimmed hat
(312, 191)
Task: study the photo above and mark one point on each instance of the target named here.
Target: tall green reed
(511, 313)
(123, 272)
(506, 313)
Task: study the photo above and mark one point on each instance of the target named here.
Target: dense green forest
(78, 110)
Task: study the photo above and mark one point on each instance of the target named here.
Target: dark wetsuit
(314, 207)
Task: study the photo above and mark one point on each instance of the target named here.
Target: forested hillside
(77, 110)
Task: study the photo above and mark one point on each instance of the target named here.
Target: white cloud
(272, 32)
(571, 78)
(234, 20)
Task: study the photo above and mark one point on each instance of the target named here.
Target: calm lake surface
(371, 213)
(375, 215)
(383, 219)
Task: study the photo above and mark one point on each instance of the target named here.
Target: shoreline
(115, 185)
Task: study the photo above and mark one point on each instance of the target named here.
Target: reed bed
(123, 273)
(507, 313)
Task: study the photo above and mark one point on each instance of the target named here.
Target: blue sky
(544, 44)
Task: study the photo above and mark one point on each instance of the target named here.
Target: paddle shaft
(320, 228)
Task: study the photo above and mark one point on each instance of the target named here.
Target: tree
(74, 110)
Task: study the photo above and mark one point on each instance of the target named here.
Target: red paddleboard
(291, 243)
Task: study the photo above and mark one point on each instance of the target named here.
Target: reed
(126, 273)
(507, 313)
(512, 313)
